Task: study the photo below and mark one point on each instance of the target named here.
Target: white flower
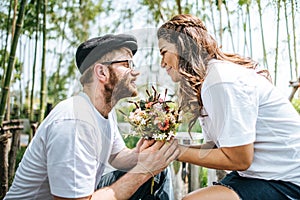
(143, 122)
(157, 106)
(171, 134)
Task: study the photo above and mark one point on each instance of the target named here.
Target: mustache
(124, 88)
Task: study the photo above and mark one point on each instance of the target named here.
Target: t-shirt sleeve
(233, 109)
(71, 158)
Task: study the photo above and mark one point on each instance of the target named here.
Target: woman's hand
(143, 144)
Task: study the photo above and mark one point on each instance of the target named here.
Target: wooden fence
(9, 145)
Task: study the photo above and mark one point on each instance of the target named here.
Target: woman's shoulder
(220, 71)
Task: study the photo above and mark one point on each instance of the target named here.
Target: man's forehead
(117, 54)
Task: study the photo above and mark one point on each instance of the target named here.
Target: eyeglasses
(130, 63)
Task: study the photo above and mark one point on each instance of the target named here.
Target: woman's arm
(226, 158)
(207, 145)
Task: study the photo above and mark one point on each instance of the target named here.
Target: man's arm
(124, 188)
(124, 160)
(150, 161)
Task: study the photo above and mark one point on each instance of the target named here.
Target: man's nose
(163, 64)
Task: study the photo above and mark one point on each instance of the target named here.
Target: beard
(119, 88)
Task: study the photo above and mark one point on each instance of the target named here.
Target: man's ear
(101, 72)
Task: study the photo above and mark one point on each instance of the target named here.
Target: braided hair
(195, 47)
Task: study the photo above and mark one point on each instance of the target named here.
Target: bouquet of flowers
(154, 118)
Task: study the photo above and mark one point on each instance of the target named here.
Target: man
(67, 156)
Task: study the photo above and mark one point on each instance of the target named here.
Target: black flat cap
(93, 49)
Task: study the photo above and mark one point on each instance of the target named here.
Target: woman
(249, 127)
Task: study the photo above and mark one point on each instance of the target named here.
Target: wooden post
(194, 177)
(295, 85)
(6, 172)
(15, 145)
(3, 163)
(211, 176)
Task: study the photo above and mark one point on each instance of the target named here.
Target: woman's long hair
(195, 47)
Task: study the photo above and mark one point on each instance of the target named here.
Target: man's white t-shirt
(243, 107)
(68, 154)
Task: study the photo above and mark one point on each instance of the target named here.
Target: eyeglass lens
(130, 63)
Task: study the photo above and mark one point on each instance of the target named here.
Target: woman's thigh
(215, 192)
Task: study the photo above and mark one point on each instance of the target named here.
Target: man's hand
(157, 157)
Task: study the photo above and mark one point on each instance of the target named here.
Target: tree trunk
(221, 27)
(262, 35)
(13, 26)
(60, 55)
(3, 165)
(288, 38)
(11, 60)
(178, 2)
(244, 20)
(194, 183)
(249, 28)
(34, 63)
(6, 40)
(229, 25)
(294, 37)
(5, 89)
(277, 42)
(212, 17)
(13, 154)
(43, 70)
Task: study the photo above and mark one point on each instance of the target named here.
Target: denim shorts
(253, 188)
(163, 189)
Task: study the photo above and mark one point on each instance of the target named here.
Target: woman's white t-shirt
(244, 107)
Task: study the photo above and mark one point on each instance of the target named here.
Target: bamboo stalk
(43, 67)
(11, 61)
(221, 27)
(245, 32)
(288, 39)
(277, 42)
(262, 35)
(179, 6)
(229, 25)
(249, 25)
(4, 98)
(34, 62)
(294, 37)
(212, 17)
(6, 41)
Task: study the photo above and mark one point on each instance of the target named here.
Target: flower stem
(152, 185)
